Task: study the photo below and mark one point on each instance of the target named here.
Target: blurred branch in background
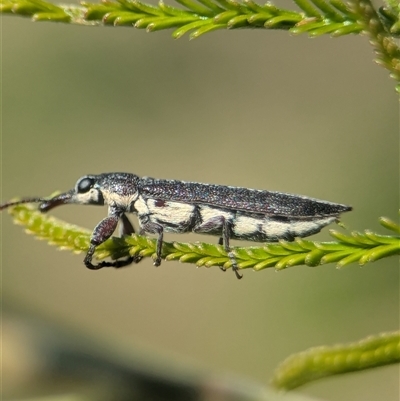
(50, 363)
(44, 362)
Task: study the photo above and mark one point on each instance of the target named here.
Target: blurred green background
(253, 108)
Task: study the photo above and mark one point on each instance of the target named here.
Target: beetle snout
(58, 200)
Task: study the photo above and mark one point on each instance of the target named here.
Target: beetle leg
(101, 233)
(221, 242)
(126, 228)
(226, 229)
(155, 228)
(221, 223)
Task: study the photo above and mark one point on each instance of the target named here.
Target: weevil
(180, 207)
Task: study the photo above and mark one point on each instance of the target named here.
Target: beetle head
(118, 189)
(86, 192)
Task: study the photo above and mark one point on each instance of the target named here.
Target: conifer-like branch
(316, 17)
(390, 16)
(318, 362)
(356, 247)
(381, 32)
(197, 17)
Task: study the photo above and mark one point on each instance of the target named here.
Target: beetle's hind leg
(221, 242)
(226, 229)
(221, 223)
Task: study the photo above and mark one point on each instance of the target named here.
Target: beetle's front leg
(101, 233)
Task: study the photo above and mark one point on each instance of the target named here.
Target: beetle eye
(84, 185)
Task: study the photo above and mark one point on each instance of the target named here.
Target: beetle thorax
(118, 200)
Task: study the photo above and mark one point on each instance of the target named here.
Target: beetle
(178, 206)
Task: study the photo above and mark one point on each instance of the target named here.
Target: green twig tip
(315, 363)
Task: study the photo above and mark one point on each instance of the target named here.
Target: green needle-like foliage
(197, 17)
(316, 17)
(318, 362)
(356, 247)
(391, 16)
(381, 32)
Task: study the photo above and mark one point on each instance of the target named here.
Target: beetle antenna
(15, 203)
